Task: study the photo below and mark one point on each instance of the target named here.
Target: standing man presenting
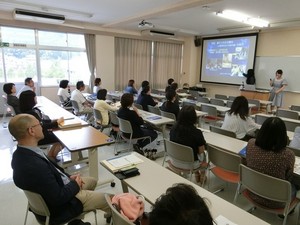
(66, 196)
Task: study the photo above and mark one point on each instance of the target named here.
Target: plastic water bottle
(4, 124)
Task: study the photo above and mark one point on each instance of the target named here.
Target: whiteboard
(265, 68)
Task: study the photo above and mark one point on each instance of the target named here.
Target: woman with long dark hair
(185, 132)
(237, 119)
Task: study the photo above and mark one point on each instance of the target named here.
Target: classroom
(275, 44)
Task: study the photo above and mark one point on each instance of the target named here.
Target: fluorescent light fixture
(232, 15)
(239, 17)
(257, 22)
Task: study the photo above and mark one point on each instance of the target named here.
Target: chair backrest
(290, 125)
(203, 99)
(215, 101)
(194, 93)
(287, 114)
(255, 102)
(168, 115)
(259, 119)
(229, 103)
(61, 99)
(8, 107)
(260, 184)
(117, 218)
(113, 118)
(125, 126)
(188, 103)
(218, 96)
(138, 106)
(219, 130)
(231, 98)
(154, 109)
(75, 106)
(226, 160)
(97, 115)
(180, 153)
(36, 203)
(295, 107)
(211, 110)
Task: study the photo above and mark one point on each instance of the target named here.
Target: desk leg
(93, 162)
(164, 136)
(124, 187)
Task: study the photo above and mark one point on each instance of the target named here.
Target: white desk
(224, 142)
(158, 96)
(54, 111)
(154, 180)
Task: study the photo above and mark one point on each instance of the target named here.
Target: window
(46, 56)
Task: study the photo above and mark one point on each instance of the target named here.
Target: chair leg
(116, 143)
(26, 214)
(95, 213)
(237, 192)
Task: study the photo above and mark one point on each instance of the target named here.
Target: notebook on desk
(120, 163)
(70, 123)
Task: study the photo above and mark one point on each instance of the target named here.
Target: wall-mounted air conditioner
(40, 17)
(158, 33)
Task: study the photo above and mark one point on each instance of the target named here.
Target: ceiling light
(239, 17)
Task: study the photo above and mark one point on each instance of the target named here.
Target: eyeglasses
(39, 124)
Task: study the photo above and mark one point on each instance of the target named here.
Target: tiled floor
(14, 203)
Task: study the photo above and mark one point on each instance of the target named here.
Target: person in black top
(135, 120)
(169, 105)
(146, 99)
(12, 99)
(184, 132)
(174, 86)
(250, 77)
(27, 105)
(170, 81)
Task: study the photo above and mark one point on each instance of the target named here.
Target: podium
(256, 94)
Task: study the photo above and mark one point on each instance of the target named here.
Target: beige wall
(271, 43)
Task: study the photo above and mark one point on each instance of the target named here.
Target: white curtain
(132, 61)
(167, 63)
(90, 46)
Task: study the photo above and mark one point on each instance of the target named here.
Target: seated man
(85, 106)
(28, 86)
(66, 196)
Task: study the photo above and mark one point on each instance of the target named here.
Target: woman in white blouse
(64, 91)
(238, 121)
(97, 87)
(103, 106)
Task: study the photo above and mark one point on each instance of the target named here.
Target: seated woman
(238, 121)
(174, 86)
(144, 84)
(146, 99)
(103, 106)
(97, 87)
(267, 154)
(27, 105)
(181, 205)
(64, 91)
(12, 99)
(130, 88)
(184, 132)
(170, 105)
(136, 122)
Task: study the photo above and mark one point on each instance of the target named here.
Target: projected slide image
(225, 59)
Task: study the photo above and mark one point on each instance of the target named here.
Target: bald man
(66, 196)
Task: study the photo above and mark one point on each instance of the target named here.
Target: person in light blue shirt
(130, 88)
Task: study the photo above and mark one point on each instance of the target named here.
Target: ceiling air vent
(40, 17)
